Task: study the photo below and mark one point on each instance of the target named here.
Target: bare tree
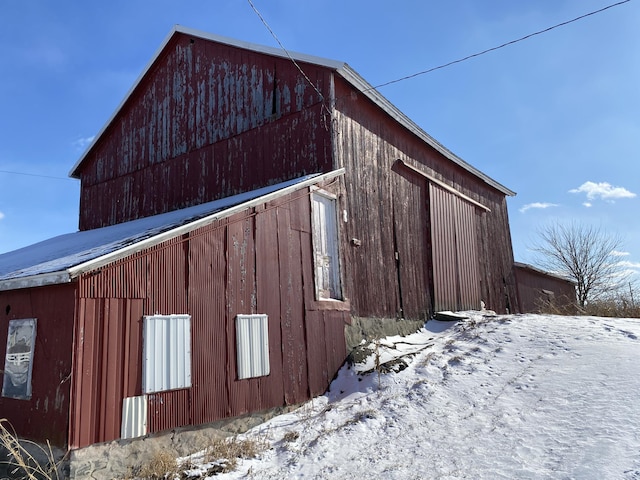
(585, 254)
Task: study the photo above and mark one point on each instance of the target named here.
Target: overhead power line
(506, 44)
(35, 175)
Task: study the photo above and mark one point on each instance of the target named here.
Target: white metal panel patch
(167, 353)
(134, 417)
(252, 345)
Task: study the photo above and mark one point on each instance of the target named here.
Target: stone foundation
(371, 328)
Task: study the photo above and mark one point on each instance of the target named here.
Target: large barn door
(455, 252)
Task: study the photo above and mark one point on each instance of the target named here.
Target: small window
(167, 353)
(252, 345)
(325, 246)
(18, 362)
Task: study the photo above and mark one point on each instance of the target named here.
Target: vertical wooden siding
(252, 262)
(195, 128)
(367, 143)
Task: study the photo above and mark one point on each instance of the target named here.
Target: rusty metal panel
(241, 299)
(106, 367)
(167, 410)
(268, 300)
(45, 416)
(456, 268)
(443, 239)
(194, 130)
(207, 301)
(467, 255)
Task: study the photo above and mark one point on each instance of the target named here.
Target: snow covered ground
(506, 397)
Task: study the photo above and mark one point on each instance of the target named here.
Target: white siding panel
(134, 417)
(167, 353)
(252, 345)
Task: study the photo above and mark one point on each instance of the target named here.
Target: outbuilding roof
(62, 258)
(342, 68)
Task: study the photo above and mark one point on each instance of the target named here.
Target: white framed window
(166, 353)
(252, 345)
(325, 246)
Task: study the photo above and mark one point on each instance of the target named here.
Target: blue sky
(555, 118)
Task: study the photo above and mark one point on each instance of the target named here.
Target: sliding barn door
(456, 269)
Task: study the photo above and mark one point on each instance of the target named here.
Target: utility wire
(417, 74)
(35, 175)
(264, 22)
(424, 72)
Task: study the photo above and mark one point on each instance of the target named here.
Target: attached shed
(177, 319)
(540, 291)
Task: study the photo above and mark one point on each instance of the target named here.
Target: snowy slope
(508, 397)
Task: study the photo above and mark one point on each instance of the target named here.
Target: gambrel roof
(341, 68)
(62, 258)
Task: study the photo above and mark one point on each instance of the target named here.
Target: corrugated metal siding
(455, 253)
(445, 259)
(250, 263)
(107, 367)
(166, 353)
(252, 345)
(167, 410)
(194, 131)
(134, 417)
(467, 255)
(45, 416)
(208, 304)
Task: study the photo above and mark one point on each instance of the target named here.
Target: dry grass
(230, 450)
(162, 465)
(22, 462)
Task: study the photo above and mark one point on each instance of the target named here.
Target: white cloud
(1, 215)
(588, 204)
(617, 253)
(629, 265)
(83, 143)
(603, 191)
(541, 205)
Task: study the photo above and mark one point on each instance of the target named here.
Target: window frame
(325, 235)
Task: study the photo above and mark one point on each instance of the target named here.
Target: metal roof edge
(375, 96)
(527, 266)
(333, 64)
(53, 278)
(169, 234)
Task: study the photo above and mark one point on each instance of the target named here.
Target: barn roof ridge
(62, 258)
(342, 68)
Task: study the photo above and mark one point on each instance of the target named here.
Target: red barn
(237, 213)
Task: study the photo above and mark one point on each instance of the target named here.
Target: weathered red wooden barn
(237, 212)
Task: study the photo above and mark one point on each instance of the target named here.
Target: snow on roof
(342, 68)
(59, 259)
